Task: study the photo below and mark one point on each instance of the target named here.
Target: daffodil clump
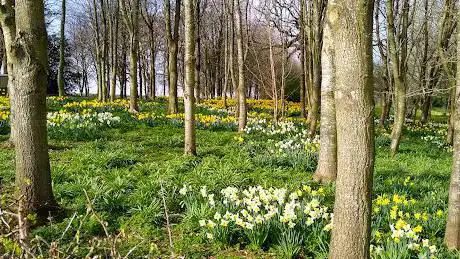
(84, 119)
(4, 103)
(148, 116)
(434, 133)
(260, 106)
(285, 137)
(119, 104)
(4, 122)
(401, 228)
(264, 217)
(204, 121)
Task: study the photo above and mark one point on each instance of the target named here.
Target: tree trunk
(152, 71)
(242, 117)
(61, 52)
(386, 105)
(198, 51)
(452, 236)
(426, 108)
(8, 24)
(28, 103)
(351, 23)
(398, 57)
(173, 44)
(327, 164)
(131, 19)
(272, 69)
(114, 52)
(189, 99)
(452, 112)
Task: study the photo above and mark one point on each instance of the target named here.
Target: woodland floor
(124, 169)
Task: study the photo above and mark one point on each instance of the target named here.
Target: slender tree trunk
(452, 236)
(303, 111)
(327, 164)
(139, 75)
(28, 96)
(104, 71)
(8, 24)
(351, 23)
(398, 59)
(226, 58)
(386, 105)
(198, 51)
(242, 117)
(61, 51)
(152, 71)
(452, 112)
(114, 52)
(131, 19)
(173, 44)
(272, 70)
(189, 99)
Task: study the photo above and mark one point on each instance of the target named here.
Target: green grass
(124, 169)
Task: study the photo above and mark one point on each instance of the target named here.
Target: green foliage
(128, 169)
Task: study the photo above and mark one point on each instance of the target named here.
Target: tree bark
(114, 51)
(242, 117)
(189, 98)
(351, 23)
(131, 19)
(173, 44)
(398, 57)
(327, 164)
(8, 24)
(28, 97)
(61, 51)
(452, 236)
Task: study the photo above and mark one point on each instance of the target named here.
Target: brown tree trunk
(130, 10)
(398, 57)
(28, 101)
(327, 164)
(242, 117)
(189, 98)
(452, 236)
(61, 51)
(114, 51)
(351, 23)
(173, 45)
(8, 24)
(198, 52)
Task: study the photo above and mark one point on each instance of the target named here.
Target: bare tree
(172, 35)
(130, 11)
(61, 51)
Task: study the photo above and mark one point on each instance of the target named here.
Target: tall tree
(28, 57)
(130, 11)
(243, 116)
(172, 36)
(114, 25)
(452, 236)
(327, 164)
(61, 51)
(398, 58)
(8, 24)
(351, 24)
(189, 96)
(315, 43)
(198, 52)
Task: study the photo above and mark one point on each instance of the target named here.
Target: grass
(127, 172)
